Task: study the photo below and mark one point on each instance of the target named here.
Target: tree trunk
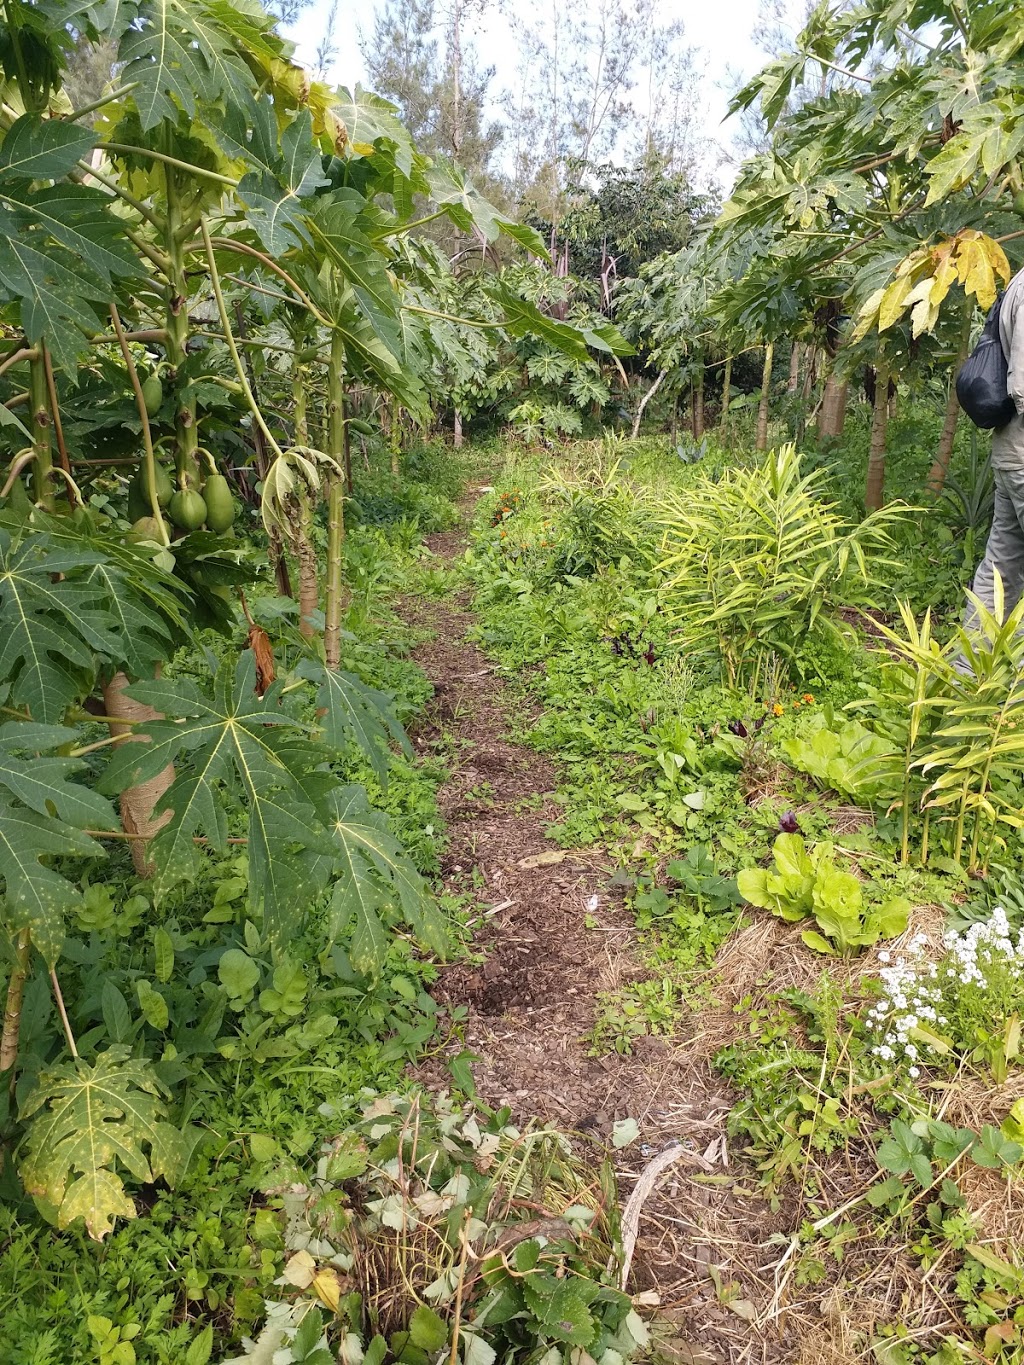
(457, 429)
(698, 405)
(794, 368)
(395, 440)
(335, 550)
(875, 484)
(832, 416)
(12, 1008)
(644, 401)
(940, 467)
(137, 803)
(309, 590)
(761, 443)
(726, 391)
(810, 373)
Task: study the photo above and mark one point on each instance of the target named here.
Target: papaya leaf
(368, 118)
(355, 713)
(43, 149)
(230, 737)
(372, 868)
(88, 1122)
(176, 49)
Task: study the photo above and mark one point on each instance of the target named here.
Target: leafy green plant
(803, 884)
(756, 560)
(962, 734)
(844, 758)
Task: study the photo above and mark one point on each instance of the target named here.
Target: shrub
(757, 560)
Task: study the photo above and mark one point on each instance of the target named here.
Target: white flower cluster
(914, 988)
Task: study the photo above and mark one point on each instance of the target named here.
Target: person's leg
(1005, 548)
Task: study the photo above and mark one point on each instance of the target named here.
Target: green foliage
(845, 759)
(88, 1120)
(803, 884)
(756, 561)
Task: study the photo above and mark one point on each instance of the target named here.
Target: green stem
(42, 462)
(171, 162)
(117, 94)
(147, 434)
(336, 505)
(176, 325)
(229, 337)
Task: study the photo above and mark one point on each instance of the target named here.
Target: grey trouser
(1005, 548)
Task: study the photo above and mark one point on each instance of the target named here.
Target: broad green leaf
(178, 53)
(355, 713)
(275, 197)
(88, 1123)
(41, 782)
(43, 149)
(369, 118)
(230, 737)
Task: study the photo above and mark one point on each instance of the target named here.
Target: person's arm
(1013, 329)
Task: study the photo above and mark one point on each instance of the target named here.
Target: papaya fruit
(220, 505)
(187, 510)
(152, 394)
(146, 528)
(138, 500)
(1018, 205)
(164, 487)
(357, 424)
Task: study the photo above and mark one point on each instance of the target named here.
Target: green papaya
(152, 394)
(1018, 205)
(18, 501)
(357, 424)
(220, 505)
(146, 528)
(138, 493)
(187, 510)
(138, 500)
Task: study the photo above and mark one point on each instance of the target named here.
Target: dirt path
(557, 936)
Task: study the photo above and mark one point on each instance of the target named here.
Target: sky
(719, 28)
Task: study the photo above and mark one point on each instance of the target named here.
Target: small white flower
(914, 1072)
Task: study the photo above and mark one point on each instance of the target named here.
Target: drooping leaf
(86, 1124)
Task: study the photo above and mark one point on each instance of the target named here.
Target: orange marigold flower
(808, 699)
(778, 710)
(796, 706)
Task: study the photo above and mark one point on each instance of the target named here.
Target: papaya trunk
(275, 545)
(176, 323)
(396, 441)
(309, 589)
(698, 405)
(832, 417)
(457, 429)
(761, 442)
(875, 485)
(726, 390)
(335, 549)
(15, 998)
(940, 467)
(810, 372)
(339, 448)
(137, 803)
(794, 368)
(42, 463)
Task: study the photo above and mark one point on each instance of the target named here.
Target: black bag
(981, 383)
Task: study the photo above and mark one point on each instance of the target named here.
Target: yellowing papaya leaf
(893, 303)
(981, 280)
(997, 258)
(85, 1124)
(942, 280)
